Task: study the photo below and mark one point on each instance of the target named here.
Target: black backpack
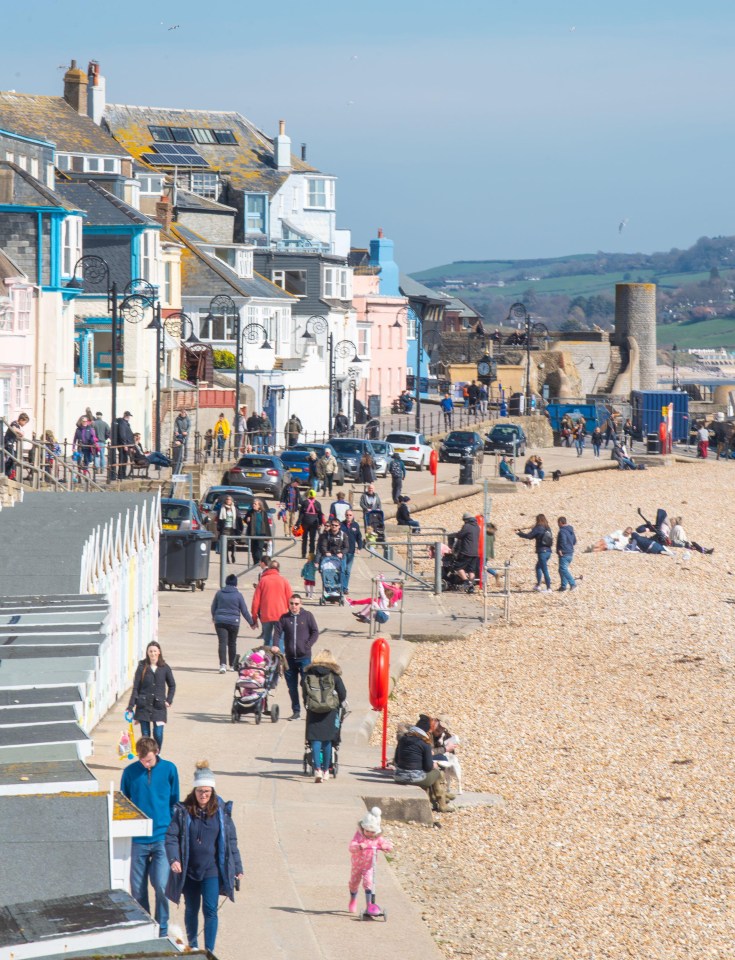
(547, 539)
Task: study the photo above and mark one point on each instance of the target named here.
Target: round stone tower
(635, 319)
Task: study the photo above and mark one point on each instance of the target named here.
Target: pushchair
(331, 571)
(334, 765)
(256, 681)
(451, 579)
(375, 526)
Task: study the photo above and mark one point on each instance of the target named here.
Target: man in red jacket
(270, 600)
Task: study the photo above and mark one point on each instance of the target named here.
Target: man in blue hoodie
(152, 784)
(565, 542)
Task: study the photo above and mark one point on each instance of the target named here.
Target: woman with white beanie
(201, 847)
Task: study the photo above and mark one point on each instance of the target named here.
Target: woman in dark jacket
(228, 606)
(322, 727)
(367, 469)
(201, 847)
(311, 518)
(544, 538)
(256, 525)
(414, 763)
(153, 693)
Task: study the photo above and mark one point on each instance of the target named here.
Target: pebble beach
(604, 720)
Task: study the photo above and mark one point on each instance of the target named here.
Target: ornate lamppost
(518, 312)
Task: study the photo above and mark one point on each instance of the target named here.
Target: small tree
(224, 359)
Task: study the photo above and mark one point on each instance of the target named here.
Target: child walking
(363, 848)
(308, 572)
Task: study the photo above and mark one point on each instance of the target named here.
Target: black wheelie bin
(183, 558)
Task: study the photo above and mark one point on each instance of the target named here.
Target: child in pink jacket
(363, 848)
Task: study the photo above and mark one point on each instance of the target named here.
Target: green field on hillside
(711, 334)
(582, 285)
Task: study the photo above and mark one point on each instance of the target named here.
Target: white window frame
(22, 305)
(9, 156)
(363, 341)
(205, 184)
(253, 314)
(18, 388)
(147, 188)
(168, 281)
(319, 194)
(63, 161)
(244, 264)
(278, 277)
(150, 256)
(34, 167)
(22, 162)
(100, 165)
(329, 283)
(71, 244)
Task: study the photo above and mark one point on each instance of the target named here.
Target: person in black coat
(403, 515)
(124, 443)
(467, 545)
(322, 728)
(367, 469)
(153, 693)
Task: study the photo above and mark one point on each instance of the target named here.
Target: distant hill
(578, 291)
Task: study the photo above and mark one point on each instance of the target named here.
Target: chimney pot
(281, 127)
(380, 233)
(303, 151)
(164, 212)
(75, 88)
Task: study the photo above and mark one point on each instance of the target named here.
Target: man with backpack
(295, 634)
(324, 695)
(397, 471)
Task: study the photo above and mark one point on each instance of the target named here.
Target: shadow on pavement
(314, 913)
(209, 717)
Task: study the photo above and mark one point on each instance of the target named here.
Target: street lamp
(674, 378)
(519, 313)
(408, 311)
(316, 325)
(223, 304)
(250, 335)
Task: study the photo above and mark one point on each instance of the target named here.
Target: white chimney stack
(282, 151)
(95, 92)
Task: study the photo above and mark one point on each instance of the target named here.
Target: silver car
(383, 451)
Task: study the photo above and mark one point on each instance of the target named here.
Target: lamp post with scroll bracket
(519, 313)
(342, 349)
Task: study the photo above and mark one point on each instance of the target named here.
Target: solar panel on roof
(187, 150)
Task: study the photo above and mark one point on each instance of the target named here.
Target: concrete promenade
(293, 833)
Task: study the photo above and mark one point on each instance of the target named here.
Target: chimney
(95, 92)
(303, 152)
(282, 148)
(164, 212)
(75, 92)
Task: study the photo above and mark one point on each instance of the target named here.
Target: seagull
(622, 225)
(175, 27)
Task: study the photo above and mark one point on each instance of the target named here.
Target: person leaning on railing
(13, 444)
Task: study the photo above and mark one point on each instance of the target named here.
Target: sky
(471, 130)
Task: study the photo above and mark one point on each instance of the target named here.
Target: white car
(412, 448)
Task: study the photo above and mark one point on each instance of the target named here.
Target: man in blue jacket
(152, 784)
(565, 542)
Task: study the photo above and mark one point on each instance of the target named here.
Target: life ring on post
(379, 678)
(433, 463)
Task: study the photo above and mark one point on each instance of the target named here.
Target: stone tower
(635, 332)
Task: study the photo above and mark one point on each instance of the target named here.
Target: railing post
(437, 567)
(222, 560)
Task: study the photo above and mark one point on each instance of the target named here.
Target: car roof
(224, 488)
(171, 500)
(401, 433)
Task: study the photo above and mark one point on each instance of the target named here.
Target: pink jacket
(362, 849)
(270, 600)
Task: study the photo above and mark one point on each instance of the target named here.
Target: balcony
(300, 245)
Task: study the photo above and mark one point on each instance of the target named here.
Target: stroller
(334, 765)
(375, 522)
(256, 681)
(451, 580)
(331, 571)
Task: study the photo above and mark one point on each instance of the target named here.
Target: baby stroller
(256, 681)
(334, 765)
(451, 580)
(331, 571)
(375, 522)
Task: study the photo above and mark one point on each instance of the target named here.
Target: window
(149, 256)
(205, 185)
(411, 325)
(168, 278)
(150, 186)
(9, 156)
(22, 162)
(63, 161)
(363, 341)
(216, 326)
(225, 136)
(22, 386)
(22, 299)
(162, 134)
(203, 136)
(15, 389)
(337, 283)
(71, 244)
(320, 193)
(292, 281)
(100, 165)
(34, 167)
(255, 211)
(182, 134)
(253, 315)
(244, 263)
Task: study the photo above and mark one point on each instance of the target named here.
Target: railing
(42, 466)
(224, 540)
(374, 605)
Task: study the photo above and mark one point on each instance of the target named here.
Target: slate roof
(455, 305)
(192, 201)
(52, 119)
(19, 188)
(62, 522)
(102, 208)
(417, 291)
(248, 164)
(203, 275)
(9, 270)
(61, 840)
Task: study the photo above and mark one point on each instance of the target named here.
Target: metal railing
(42, 466)
(373, 625)
(223, 546)
(428, 540)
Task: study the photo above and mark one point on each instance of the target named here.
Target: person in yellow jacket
(221, 433)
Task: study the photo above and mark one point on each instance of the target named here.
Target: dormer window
(319, 193)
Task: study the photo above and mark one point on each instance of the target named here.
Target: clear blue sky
(467, 130)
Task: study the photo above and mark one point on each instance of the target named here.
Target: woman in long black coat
(153, 693)
(322, 728)
(367, 469)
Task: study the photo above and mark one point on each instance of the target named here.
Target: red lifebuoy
(433, 463)
(379, 679)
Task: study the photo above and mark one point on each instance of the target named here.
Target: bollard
(438, 567)
(222, 561)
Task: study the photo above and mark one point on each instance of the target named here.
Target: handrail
(397, 566)
(40, 451)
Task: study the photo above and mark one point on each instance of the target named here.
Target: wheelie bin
(183, 558)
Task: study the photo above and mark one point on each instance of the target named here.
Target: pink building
(378, 337)
(17, 342)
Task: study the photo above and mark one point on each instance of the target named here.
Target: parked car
(213, 498)
(383, 451)
(319, 448)
(506, 438)
(180, 515)
(297, 464)
(349, 451)
(261, 472)
(460, 443)
(412, 448)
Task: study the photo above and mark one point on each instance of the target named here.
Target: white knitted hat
(371, 821)
(203, 776)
